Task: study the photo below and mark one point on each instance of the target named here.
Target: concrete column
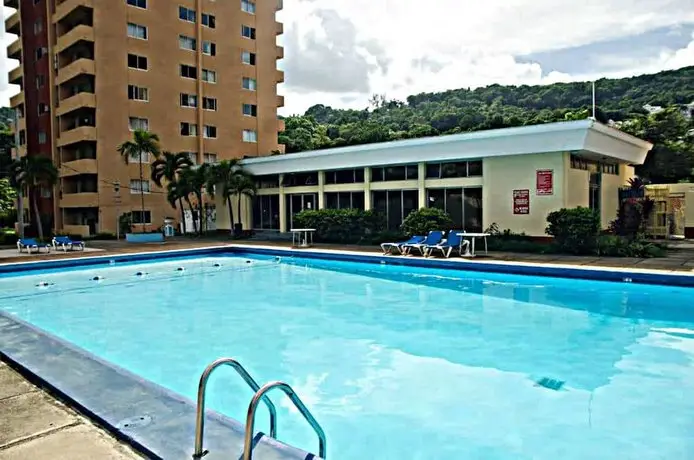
(367, 189)
(421, 175)
(283, 206)
(321, 188)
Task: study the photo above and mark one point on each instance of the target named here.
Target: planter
(144, 237)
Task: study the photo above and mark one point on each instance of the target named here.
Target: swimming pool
(396, 362)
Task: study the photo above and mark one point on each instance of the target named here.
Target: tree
(32, 173)
(167, 167)
(181, 190)
(242, 184)
(220, 180)
(143, 145)
(303, 133)
(194, 181)
(8, 195)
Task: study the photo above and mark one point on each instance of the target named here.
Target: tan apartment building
(202, 74)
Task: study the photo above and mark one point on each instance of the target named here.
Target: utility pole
(594, 100)
(116, 199)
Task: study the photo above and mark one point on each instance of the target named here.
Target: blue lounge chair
(388, 248)
(432, 239)
(65, 243)
(29, 243)
(453, 242)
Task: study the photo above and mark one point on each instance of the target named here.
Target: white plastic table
(473, 237)
(297, 233)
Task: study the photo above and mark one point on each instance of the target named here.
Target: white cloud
(445, 44)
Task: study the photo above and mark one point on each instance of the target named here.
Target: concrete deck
(35, 426)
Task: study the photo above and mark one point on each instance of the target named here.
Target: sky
(341, 52)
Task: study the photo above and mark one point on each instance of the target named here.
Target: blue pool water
(397, 362)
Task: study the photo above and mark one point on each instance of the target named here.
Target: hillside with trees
(462, 110)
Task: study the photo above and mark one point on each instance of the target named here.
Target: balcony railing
(280, 100)
(14, 49)
(79, 33)
(79, 134)
(279, 54)
(12, 24)
(79, 200)
(15, 76)
(17, 100)
(279, 28)
(11, 4)
(83, 166)
(78, 101)
(72, 70)
(68, 6)
(280, 76)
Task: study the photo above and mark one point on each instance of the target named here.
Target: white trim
(570, 136)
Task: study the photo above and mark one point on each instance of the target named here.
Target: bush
(345, 226)
(575, 231)
(8, 238)
(509, 241)
(632, 217)
(617, 246)
(425, 220)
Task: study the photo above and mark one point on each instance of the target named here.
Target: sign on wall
(521, 201)
(545, 182)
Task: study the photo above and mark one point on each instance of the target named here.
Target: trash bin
(169, 230)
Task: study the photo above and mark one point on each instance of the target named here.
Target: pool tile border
(109, 395)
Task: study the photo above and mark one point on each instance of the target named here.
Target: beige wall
(503, 175)
(577, 188)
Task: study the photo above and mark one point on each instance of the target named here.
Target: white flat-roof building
(512, 177)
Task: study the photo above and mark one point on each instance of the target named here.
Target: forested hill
(496, 106)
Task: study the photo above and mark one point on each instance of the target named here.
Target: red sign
(545, 182)
(521, 201)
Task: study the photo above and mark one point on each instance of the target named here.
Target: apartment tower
(201, 74)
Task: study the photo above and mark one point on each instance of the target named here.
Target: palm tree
(195, 180)
(143, 144)
(168, 167)
(242, 184)
(182, 189)
(219, 182)
(32, 173)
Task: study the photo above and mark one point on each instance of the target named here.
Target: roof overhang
(581, 135)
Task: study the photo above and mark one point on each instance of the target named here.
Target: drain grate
(134, 422)
(551, 384)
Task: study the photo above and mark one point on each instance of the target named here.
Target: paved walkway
(35, 426)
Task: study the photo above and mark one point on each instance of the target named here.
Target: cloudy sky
(339, 52)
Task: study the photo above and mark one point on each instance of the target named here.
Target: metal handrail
(289, 391)
(202, 386)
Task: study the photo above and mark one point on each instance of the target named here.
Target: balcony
(16, 75)
(279, 52)
(280, 5)
(80, 200)
(77, 34)
(17, 100)
(14, 50)
(74, 69)
(279, 28)
(83, 166)
(68, 6)
(12, 4)
(22, 124)
(80, 134)
(12, 24)
(78, 101)
(280, 101)
(280, 76)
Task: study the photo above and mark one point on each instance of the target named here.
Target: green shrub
(575, 231)
(8, 238)
(508, 241)
(344, 226)
(618, 246)
(425, 220)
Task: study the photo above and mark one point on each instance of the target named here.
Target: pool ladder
(260, 395)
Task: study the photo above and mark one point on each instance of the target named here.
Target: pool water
(397, 362)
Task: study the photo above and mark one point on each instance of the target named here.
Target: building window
(454, 169)
(250, 135)
(38, 26)
(392, 173)
(22, 137)
(45, 192)
(139, 158)
(209, 76)
(137, 62)
(138, 3)
(266, 212)
(40, 80)
(137, 186)
(297, 202)
(300, 179)
(344, 200)
(249, 83)
(248, 32)
(189, 100)
(192, 156)
(345, 176)
(186, 43)
(248, 58)
(209, 48)
(209, 131)
(188, 71)
(268, 181)
(186, 14)
(250, 110)
(136, 123)
(189, 129)
(137, 31)
(464, 205)
(141, 217)
(209, 103)
(209, 20)
(610, 168)
(209, 158)
(138, 93)
(395, 205)
(43, 108)
(42, 137)
(40, 52)
(248, 6)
